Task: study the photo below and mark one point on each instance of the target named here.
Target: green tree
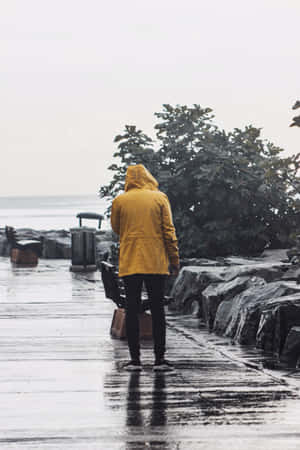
(231, 193)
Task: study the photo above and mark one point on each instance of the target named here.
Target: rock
(291, 350)
(287, 315)
(199, 262)
(292, 274)
(295, 260)
(239, 261)
(241, 320)
(56, 244)
(221, 261)
(192, 280)
(190, 283)
(275, 255)
(250, 315)
(269, 271)
(265, 331)
(277, 318)
(221, 319)
(294, 253)
(215, 293)
(28, 233)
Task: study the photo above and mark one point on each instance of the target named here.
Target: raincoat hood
(139, 177)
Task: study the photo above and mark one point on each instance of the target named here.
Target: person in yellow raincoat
(142, 218)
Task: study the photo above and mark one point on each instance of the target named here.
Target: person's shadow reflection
(134, 416)
(159, 401)
(157, 407)
(158, 416)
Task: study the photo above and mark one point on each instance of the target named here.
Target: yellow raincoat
(142, 217)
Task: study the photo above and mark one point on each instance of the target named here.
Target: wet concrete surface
(62, 385)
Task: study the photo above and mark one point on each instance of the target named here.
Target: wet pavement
(62, 386)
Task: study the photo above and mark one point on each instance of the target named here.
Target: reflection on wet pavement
(62, 385)
(137, 411)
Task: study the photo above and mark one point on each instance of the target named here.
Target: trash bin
(84, 244)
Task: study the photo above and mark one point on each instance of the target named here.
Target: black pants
(155, 289)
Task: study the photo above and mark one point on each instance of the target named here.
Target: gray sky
(73, 73)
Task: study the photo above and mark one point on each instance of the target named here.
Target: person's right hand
(174, 270)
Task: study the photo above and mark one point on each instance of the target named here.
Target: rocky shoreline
(56, 244)
(251, 301)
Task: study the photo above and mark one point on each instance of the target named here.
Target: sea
(51, 212)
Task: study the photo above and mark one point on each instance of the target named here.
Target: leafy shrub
(231, 193)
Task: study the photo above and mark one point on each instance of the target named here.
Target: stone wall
(251, 301)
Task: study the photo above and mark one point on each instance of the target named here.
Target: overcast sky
(74, 72)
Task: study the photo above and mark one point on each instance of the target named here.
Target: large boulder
(222, 317)
(291, 350)
(287, 315)
(187, 305)
(269, 271)
(250, 319)
(190, 283)
(277, 318)
(240, 320)
(216, 293)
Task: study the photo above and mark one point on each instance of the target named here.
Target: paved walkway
(61, 386)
